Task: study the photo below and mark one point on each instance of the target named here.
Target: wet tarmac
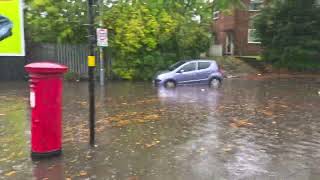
(261, 129)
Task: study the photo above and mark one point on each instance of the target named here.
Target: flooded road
(262, 129)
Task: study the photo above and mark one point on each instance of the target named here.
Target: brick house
(235, 32)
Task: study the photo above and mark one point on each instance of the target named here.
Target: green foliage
(150, 35)
(290, 33)
(56, 21)
(145, 35)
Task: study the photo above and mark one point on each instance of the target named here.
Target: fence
(11, 68)
(74, 56)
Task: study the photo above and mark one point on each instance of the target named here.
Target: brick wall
(238, 24)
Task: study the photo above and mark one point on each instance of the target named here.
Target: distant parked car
(193, 71)
(5, 27)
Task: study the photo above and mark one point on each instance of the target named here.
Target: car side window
(188, 67)
(203, 65)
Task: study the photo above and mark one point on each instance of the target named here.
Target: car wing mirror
(181, 71)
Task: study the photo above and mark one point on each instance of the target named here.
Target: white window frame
(216, 15)
(255, 1)
(252, 42)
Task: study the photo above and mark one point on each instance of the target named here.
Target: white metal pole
(101, 56)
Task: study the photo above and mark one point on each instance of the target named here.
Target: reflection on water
(50, 169)
(245, 130)
(190, 95)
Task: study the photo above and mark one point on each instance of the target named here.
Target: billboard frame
(23, 47)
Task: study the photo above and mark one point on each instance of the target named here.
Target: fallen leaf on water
(152, 116)
(233, 125)
(148, 145)
(123, 123)
(10, 173)
(83, 173)
(240, 123)
(244, 122)
(73, 161)
(268, 113)
(133, 178)
(83, 103)
(152, 144)
(227, 149)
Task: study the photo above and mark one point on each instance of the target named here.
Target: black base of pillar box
(36, 155)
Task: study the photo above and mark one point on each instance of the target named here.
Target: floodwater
(261, 129)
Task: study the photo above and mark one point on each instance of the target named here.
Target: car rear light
(221, 70)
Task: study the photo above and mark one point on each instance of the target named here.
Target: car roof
(200, 60)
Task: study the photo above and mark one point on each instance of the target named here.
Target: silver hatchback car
(193, 71)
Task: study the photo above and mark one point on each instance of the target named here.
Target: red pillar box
(46, 100)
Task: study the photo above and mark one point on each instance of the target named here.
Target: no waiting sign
(102, 37)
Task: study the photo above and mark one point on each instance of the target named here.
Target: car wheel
(170, 84)
(214, 83)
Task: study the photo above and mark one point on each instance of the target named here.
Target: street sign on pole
(102, 37)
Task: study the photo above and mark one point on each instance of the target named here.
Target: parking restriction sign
(102, 37)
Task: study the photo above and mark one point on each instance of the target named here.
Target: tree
(150, 35)
(56, 20)
(145, 35)
(290, 34)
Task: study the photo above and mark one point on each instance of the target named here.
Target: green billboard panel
(11, 28)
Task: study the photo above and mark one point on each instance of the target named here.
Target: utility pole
(101, 48)
(91, 66)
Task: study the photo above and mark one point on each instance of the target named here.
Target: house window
(252, 36)
(216, 15)
(252, 33)
(255, 5)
